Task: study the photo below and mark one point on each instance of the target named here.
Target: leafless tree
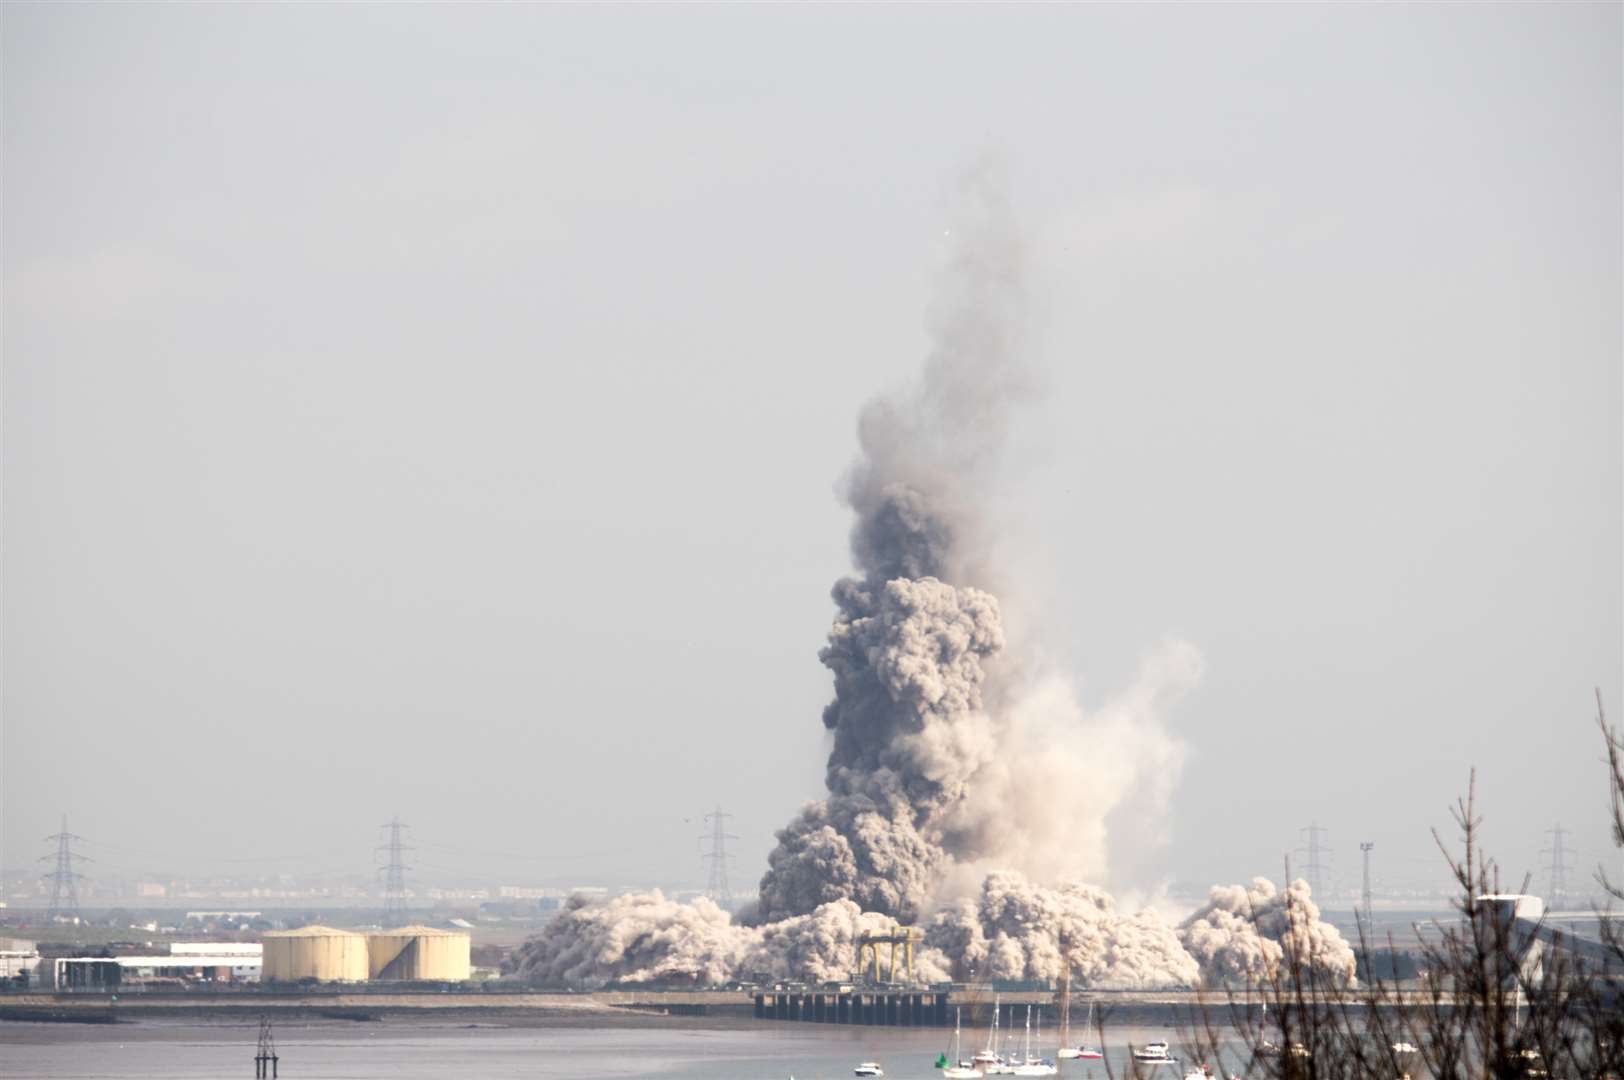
(1498, 997)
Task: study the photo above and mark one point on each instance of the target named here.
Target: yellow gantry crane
(868, 945)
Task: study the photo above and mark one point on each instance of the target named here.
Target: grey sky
(439, 410)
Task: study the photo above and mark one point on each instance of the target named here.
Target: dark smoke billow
(956, 775)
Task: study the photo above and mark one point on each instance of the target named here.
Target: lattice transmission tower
(1556, 871)
(64, 881)
(1365, 899)
(716, 885)
(394, 873)
(1315, 868)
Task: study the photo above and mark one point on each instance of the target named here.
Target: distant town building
(18, 958)
(525, 892)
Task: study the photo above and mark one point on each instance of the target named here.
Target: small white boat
(993, 1065)
(1154, 1053)
(868, 1068)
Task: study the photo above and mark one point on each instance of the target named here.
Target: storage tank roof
(419, 931)
(312, 931)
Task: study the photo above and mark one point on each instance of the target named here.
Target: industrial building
(309, 954)
(315, 952)
(209, 961)
(419, 953)
(18, 959)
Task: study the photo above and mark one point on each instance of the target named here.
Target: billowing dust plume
(1243, 934)
(646, 938)
(912, 636)
(950, 758)
(1018, 930)
(640, 937)
(1013, 929)
(957, 771)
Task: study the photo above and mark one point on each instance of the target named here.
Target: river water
(222, 1050)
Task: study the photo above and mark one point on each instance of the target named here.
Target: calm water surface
(396, 1049)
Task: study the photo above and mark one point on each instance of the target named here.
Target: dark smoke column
(911, 637)
(909, 732)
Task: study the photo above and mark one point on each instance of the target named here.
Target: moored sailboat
(958, 1069)
(1083, 1049)
(987, 1059)
(1029, 1065)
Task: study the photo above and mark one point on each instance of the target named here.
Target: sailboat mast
(1065, 1009)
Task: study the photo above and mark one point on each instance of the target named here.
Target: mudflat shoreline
(711, 1010)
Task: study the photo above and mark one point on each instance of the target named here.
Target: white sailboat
(958, 1069)
(1084, 1050)
(1066, 1051)
(987, 1059)
(1029, 1065)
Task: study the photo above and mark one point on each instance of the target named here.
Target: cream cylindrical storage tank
(419, 953)
(315, 952)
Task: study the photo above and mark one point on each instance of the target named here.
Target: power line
(64, 882)
(192, 857)
(532, 856)
(394, 874)
(716, 886)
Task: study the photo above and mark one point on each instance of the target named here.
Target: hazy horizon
(441, 412)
